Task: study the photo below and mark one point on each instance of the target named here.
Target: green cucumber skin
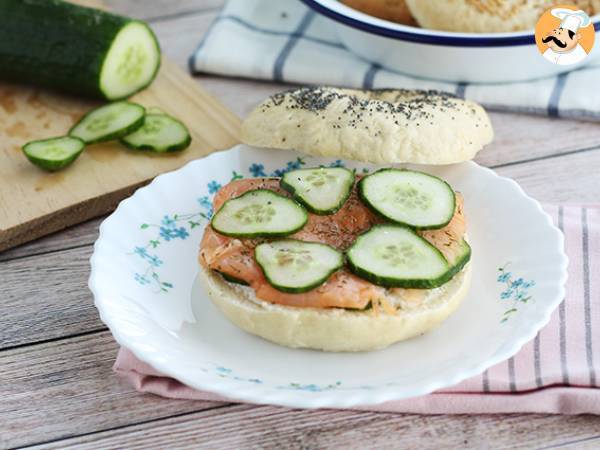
(359, 310)
(320, 212)
(117, 134)
(461, 262)
(260, 235)
(416, 283)
(407, 284)
(173, 148)
(52, 166)
(394, 282)
(379, 214)
(299, 290)
(231, 279)
(58, 45)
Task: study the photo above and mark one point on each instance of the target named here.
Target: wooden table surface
(57, 389)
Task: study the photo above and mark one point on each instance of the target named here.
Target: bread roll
(379, 126)
(487, 16)
(335, 329)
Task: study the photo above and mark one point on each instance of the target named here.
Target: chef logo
(564, 35)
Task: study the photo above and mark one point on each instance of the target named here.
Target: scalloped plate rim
(232, 390)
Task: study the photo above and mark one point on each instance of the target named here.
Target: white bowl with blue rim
(443, 55)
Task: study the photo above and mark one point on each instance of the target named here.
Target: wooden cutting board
(34, 203)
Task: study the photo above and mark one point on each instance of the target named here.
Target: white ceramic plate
(144, 270)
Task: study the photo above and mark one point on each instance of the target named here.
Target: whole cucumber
(84, 51)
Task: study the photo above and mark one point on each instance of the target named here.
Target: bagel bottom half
(333, 329)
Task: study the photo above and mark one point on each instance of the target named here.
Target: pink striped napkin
(557, 372)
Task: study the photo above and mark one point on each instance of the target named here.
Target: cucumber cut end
(131, 63)
(54, 153)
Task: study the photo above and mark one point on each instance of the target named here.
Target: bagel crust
(393, 10)
(334, 329)
(378, 126)
(486, 16)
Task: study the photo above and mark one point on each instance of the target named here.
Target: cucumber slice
(321, 190)
(295, 266)
(395, 256)
(54, 153)
(407, 197)
(109, 122)
(259, 213)
(160, 133)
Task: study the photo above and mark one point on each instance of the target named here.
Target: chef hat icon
(571, 20)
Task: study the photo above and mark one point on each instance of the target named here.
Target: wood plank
(75, 236)
(67, 388)
(158, 10)
(242, 426)
(567, 179)
(589, 443)
(520, 137)
(46, 297)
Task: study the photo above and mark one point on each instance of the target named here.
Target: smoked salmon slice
(235, 257)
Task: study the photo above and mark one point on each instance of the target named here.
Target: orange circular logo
(564, 35)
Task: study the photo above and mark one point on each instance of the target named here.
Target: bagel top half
(377, 126)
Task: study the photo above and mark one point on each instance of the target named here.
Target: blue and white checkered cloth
(285, 41)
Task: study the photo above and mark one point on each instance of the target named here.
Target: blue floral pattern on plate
(516, 291)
